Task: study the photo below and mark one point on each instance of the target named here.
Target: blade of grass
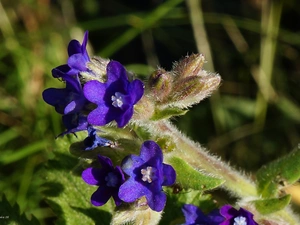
(19, 154)
(8, 135)
(271, 15)
(140, 24)
(203, 46)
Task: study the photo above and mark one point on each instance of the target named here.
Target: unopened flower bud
(193, 89)
(189, 66)
(160, 84)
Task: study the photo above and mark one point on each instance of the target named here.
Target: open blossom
(115, 98)
(147, 174)
(194, 216)
(236, 217)
(78, 59)
(108, 178)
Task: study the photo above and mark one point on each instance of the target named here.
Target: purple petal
(169, 175)
(94, 91)
(99, 115)
(130, 163)
(61, 71)
(123, 119)
(150, 151)
(91, 176)
(70, 107)
(193, 214)
(105, 162)
(136, 90)
(228, 211)
(77, 62)
(157, 201)
(101, 196)
(74, 47)
(116, 71)
(116, 198)
(56, 97)
(85, 39)
(132, 190)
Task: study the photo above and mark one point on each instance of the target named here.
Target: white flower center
(148, 174)
(111, 180)
(240, 221)
(117, 100)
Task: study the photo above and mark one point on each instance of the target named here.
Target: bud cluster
(186, 84)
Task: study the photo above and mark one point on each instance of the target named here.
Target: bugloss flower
(78, 59)
(66, 100)
(236, 217)
(94, 141)
(194, 216)
(147, 174)
(107, 178)
(115, 98)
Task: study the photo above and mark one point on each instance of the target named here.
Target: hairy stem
(200, 159)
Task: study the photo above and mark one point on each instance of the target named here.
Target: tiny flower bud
(193, 89)
(160, 84)
(189, 66)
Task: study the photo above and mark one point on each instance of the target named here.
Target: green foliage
(168, 113)
(11, 215)
(67, 194)
(271, 205)
(187, 177)
(284, 171)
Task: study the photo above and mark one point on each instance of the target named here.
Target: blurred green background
(254, 45)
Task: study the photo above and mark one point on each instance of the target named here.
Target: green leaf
(277, 174)
(188, 177)
(167, 113)
(10, 215)
(271, 205)
(68, 195)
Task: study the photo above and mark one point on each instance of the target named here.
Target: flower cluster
(86, 103)
(146, 175)
(115, 98)
(98, 93)
(227, 215)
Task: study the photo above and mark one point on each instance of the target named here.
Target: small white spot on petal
(240, 221)
(117, 100)
(148, 174)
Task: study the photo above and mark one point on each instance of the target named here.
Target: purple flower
(66, 100)
(115, 98)
(107, 178)
(194, 216)
(78, 59)
(147, 174)
(236, 217)
(94, 141)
